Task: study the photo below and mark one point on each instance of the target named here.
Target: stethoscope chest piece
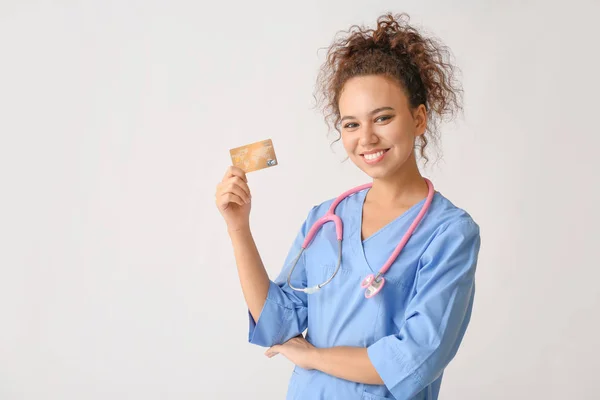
(372, 285)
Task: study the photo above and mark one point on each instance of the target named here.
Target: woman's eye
(378, 119)
(383, 118)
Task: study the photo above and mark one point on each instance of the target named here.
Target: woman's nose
(368, 136)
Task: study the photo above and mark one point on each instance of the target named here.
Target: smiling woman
(384, 90)
(384, 136)
(398, 51)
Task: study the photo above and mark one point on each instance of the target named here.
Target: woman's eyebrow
(375, 111)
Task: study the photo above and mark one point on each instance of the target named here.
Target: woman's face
(378, 128)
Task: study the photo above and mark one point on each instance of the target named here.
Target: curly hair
(395, 49)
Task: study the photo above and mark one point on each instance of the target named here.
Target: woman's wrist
(316, 358)
(237, 229)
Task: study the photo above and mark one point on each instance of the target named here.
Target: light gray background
(117, 278)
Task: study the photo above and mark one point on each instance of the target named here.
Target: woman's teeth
(374, 155)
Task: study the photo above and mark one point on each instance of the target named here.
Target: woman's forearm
(251, 271)
(349, 363)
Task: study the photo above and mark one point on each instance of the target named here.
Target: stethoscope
(372, 283)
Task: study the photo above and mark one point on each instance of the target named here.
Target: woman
(385, 89)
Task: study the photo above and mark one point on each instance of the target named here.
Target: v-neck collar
(358, 243)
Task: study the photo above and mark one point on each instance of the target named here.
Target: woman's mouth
(374, 157)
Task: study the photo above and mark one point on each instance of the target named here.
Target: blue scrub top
(412, 328)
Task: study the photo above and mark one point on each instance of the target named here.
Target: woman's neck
(399, 191)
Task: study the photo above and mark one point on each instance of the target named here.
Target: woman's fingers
(272, 352)
(241, 184)
(225, 199)
(235, 171)
(235, 188)
(234, 185)
(235, 177)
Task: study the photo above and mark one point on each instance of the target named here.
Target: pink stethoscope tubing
(373, 284)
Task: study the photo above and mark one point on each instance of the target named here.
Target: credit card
(254, 156)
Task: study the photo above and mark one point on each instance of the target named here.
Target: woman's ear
(420, 118)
